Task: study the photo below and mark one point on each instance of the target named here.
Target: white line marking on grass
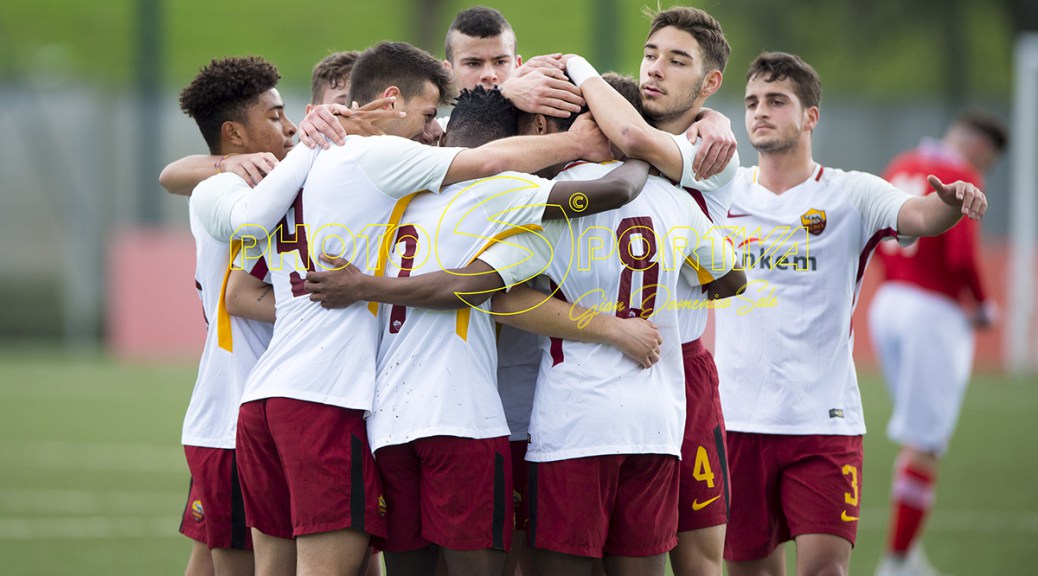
(92, 456)
(92, 502)
(962, 521)
(90, 528)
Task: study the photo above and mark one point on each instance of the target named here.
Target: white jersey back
(321, 355)
(212, 414)
(437, 368)
(591, 399)
(783, 348)
(714, 197)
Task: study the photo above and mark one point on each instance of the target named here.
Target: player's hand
(594, 142)
(542, 90)
(433, 134)
(639, 339)
(321, 125)
(334, 121)
(971, 199)
(718, 146)
(338, 286)
(251, 167)
(360, 119)
(548, 63)
(986, 315)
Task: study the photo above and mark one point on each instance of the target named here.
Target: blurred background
(101, 322)
(90, 116)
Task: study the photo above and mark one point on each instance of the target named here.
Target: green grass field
(93, 480)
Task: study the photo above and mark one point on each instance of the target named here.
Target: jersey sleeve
(688, 176)
(878, 202)
(513, 198)
(236, 211)
(212, 201)
(398, 167)
(709, 257)
(522, 257)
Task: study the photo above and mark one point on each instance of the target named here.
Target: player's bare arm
(934, 214)
(249, 297)
(334, 121)
(181, 177)
(586, 197)
(731, 284)
(540, 86)
(583, 141)
(341, 284)
(626, 128)
(540, 313)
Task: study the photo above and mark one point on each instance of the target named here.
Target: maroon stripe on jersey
(820, 170)
(259, 270)
(698, 197)
(863, 261)
(557, 355)
(871, 245)
(574, 165)
(198, 285)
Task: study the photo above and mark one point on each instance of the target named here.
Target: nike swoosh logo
(734, 215)
(846, 518)
(696, 506)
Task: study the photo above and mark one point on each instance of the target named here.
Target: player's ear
(518, 60)
(233, 132)
(392, 91)
(448, 66)
(309, 108)
(540, 124)
(712, 83)
(813, 114)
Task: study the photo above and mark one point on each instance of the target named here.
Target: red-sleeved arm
(961, 255)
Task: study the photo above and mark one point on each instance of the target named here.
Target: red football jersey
(948, 263)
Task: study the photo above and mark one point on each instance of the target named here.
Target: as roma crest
(814, 221)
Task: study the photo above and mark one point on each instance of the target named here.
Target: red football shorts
(520, 484)
(784, 486)
(703, 500)
(450, 491)
(621, 505)
(214, 515)
(306, 468)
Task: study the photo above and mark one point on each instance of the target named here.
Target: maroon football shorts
(450, 491)
(785, 485)
(621, 505)
(306, 468)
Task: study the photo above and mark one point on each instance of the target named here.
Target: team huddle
(473, 343)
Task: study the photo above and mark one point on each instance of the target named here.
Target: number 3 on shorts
(851, 497)
(701, 471)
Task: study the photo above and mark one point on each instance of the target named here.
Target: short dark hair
(397, 64)
(627, 87)
(481, 116)
(333, 71)
(702, 26)
(478, 22)
(223, 90)
(988, 125)
(778, 66)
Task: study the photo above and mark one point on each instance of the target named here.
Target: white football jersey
(212, 413)
(437, 369)
(328, 355)
(784, 346)
(591, 399)
(714, 197)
